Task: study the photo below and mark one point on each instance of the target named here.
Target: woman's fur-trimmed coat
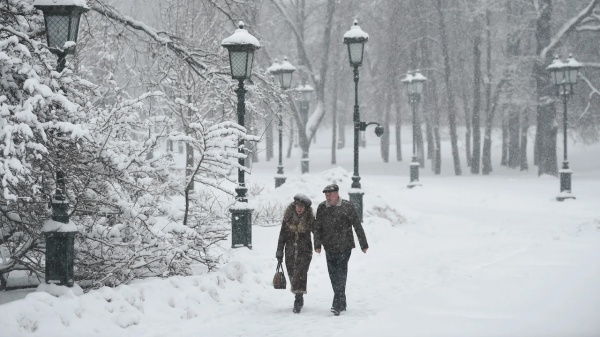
(295, 243)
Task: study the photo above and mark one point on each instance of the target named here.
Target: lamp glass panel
(249, 65)
(558, 76)
(286, 80)
(410, 88)
(57, 30)
(573, 75)
(355, 50)
(74, 30)
(418, 87)
(238, 63)
(306, 94)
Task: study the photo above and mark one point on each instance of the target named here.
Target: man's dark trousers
(337, 266)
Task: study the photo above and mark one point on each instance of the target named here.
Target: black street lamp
(62, 28)
(283, 73)
(305, 96)
(356, 38)
(564, 77)
(413, 84)
(241, 46)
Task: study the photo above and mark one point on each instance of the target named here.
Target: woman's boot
(298, 303)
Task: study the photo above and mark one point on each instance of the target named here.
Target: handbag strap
(279, 267)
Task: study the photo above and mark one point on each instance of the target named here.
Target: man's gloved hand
(279, 256)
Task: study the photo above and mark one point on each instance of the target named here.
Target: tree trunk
(468, 132)
(269, 136)
(486, 159)
(523, 154)
(437, 155)
(488, 85)
(334, 121)
(449, 92)
(476, 113)
(398, 128)
(385, 138)
(545, 138)
(504, 159)
(291, 139)
(426, 103)
(514, 136)
(419, 138)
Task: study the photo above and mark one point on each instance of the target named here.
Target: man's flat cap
(331, 188)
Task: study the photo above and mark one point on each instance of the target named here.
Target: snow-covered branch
(591, 23)
(569, 26)
(593, 91)
(160, 37)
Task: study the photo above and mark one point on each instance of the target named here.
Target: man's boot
(298, 303)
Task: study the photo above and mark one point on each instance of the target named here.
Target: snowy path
(441, 270)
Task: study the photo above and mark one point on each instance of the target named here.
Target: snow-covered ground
(457, 256)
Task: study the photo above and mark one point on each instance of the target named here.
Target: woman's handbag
(279, 278)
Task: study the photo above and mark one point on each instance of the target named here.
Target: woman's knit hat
(302, 198)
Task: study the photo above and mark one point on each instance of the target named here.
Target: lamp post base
(60, 254)
(279, 180)
(565, 183)
(304, 162)
(414, 173)
(356, 198)
(241, 227)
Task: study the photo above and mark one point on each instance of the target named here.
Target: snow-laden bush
(123, 194)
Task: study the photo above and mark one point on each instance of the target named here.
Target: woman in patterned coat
(295, 243)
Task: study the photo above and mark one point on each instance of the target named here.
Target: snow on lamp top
(239, 37)
(572, 63)
(556, 64)
(78, 3)
(355, 34)
(305, 87)
(286, 66)
(274, 68)
(419, 77)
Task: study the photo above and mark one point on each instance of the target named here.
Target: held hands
(364, 250)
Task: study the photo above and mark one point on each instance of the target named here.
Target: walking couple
(332, 229)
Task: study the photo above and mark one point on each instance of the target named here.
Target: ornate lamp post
(564, 77)
(414, 87)
(305, 96)
(283, 73)
(241, 46)
(356, 38)
(62, 28)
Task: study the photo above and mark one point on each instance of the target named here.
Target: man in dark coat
(295, 241)
(333, 229)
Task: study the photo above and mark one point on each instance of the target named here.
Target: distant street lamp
(564, 77)
(283, 73)
(414, 87)
(356, 38)
(241, 46)
(305, 96)
(62, 28)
